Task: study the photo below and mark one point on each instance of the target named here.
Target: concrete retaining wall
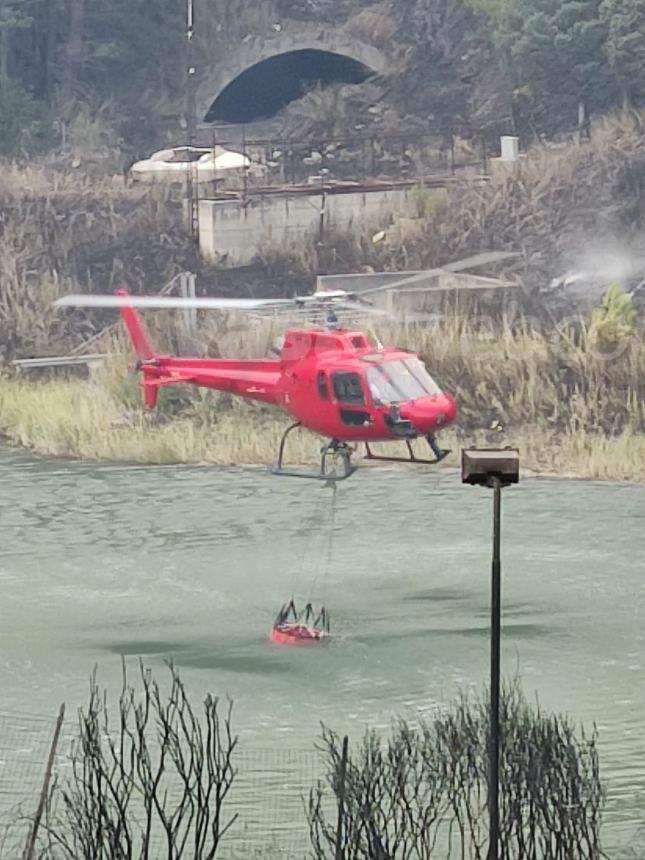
(231, 233)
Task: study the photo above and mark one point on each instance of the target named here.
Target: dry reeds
(570, 408)
(68, 232)
(555, 201)
(573, 402)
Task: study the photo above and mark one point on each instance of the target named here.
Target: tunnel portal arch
(266, 74)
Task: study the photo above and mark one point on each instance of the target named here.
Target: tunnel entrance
(264, 89)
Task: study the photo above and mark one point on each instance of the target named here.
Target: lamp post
(494, 468)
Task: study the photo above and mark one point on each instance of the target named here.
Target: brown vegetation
(571, 398)
(155, 783)
(62, 232)
(569, 405)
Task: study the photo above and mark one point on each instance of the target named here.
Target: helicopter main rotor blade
(480, 260)
(458, 281)
(458, 266)
(359, 307)
(172, 302)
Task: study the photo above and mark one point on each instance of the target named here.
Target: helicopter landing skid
(339, 451)
(439, 454)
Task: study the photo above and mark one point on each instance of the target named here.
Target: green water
(102, 561)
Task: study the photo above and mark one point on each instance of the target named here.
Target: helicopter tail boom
(254, 380)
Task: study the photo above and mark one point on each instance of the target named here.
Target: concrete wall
(231, 233)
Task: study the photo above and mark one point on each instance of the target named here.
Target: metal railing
(276, 164)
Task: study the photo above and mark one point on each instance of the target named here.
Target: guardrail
(60, 361)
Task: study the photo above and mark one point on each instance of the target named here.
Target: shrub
(422, 792)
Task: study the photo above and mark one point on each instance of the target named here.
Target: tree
(448, 56)
(553, 51)
(74, 52)
(14, 15)
(22, 120)
(612, 323)
(625, 45)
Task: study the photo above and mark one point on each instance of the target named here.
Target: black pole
(495, 635)
(191, 119)
(339, 852)
(191, 122)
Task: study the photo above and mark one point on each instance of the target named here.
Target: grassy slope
(81, 420)
(570, 407)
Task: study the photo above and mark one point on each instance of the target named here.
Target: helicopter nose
(431, 413)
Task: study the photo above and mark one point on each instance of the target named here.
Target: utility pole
(191, 179)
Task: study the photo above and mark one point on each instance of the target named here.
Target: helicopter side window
(323, 390)
(347, 388)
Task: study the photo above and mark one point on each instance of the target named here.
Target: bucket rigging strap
(308, 553)
(325, 561)
(317, 552)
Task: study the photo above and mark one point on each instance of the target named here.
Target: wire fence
(271, 790)
(269, 794)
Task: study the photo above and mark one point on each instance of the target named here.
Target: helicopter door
(348, 392)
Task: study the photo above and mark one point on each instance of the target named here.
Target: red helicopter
(331, 380)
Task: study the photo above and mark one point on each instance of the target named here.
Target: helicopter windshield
(401, 380)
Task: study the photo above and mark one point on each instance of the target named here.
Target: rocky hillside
(108, 77)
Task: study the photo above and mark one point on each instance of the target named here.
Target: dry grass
(554, 203)
(570, 406)
(571, 409)
(62, 232)
(82, 420)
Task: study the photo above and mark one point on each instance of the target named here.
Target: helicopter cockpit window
(399, 381)
(347, 388)
(323, 391)
(419, 371)
(381, 388)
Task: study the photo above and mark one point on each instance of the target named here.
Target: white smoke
(590, 269)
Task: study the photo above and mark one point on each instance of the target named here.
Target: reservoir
(192, 564)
